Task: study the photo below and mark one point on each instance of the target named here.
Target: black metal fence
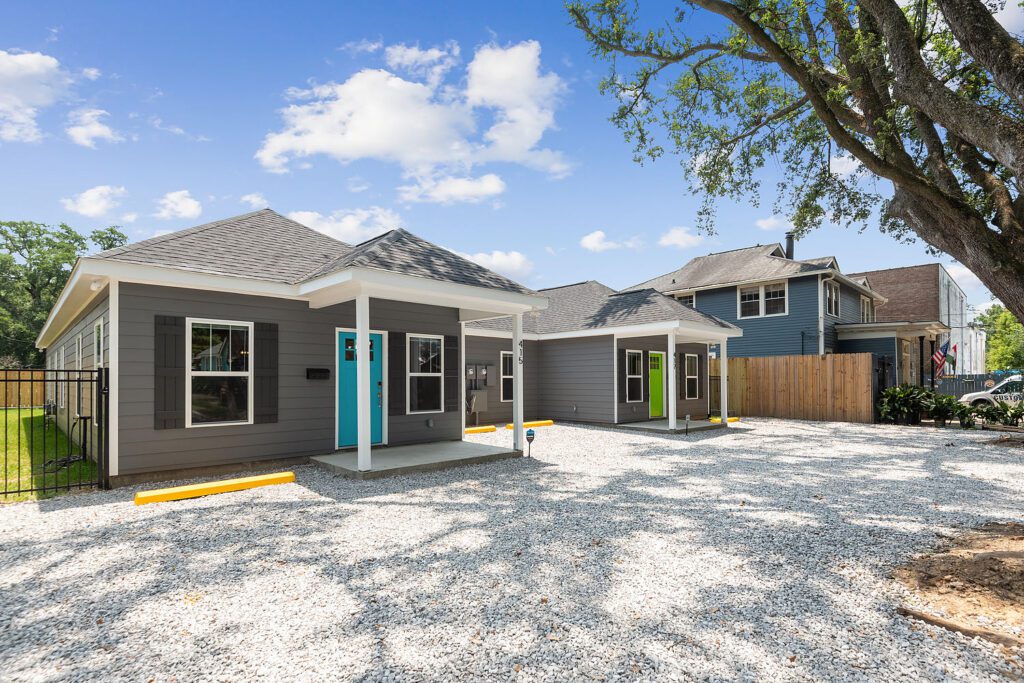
(55, 431)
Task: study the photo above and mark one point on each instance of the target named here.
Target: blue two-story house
(787, 306)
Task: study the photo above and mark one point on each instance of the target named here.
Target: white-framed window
(97, 344)
(762, 301)
(424, 374)
(634, 376)
(691, 365)
(62, 378)
(218, 372)
(867, 309)
(688, 299)
(507, 382)
(78, 352)
(831, 298)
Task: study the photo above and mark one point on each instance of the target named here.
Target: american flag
(940, 357)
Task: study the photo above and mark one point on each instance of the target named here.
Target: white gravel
(761, 554)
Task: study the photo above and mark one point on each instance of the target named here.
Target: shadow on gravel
(738, 557)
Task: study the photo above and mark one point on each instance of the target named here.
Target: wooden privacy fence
(835, 387)
(30, 391)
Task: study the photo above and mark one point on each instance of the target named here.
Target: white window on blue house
(687, 299)
(750, 302)
(218, 376)
(832, 298)
(760, 301)
(867, 310)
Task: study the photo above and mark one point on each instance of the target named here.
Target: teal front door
(348, 429)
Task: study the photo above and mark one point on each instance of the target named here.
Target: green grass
(25, 461)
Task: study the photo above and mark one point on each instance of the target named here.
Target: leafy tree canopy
(1005, 345)
(927, 95)
(35, 262)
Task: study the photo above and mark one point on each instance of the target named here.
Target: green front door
(656, 383)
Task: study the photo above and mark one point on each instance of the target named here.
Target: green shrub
(966, 414)
(903, 404)
(942, 407)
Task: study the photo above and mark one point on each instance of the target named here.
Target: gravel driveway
(760, 554)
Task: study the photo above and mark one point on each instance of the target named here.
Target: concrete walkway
(390, 461)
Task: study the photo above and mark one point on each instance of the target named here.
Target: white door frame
(384, 384)
(664, 396)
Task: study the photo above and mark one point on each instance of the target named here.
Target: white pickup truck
(1010, 390)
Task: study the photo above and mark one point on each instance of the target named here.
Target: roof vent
(789, 245)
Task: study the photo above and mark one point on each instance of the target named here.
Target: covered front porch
(665, 426)
(424, 457)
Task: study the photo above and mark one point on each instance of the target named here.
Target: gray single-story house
(257, 338)
(599, 356)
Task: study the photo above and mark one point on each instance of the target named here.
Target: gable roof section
(591, 306)
(762, 262)
(403, 252)
(262, 245)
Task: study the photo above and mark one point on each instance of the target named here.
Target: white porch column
(724, 380)
(363, 381)
(517, 382)
(673, 390)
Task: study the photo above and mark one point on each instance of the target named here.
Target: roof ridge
(573, 284)
(184, 232)
(729, 251)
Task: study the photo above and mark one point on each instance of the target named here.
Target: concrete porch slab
(661, 426)
(393, 461)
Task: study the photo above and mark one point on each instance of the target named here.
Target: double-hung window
(507, 365)
(690, 367)
(757, 301)
(687, 299)
(634, 376)
(97, 345)
(424, 373)
(832, 298)
(219, 381)
(867, 310)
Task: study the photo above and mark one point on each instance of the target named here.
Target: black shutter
(681, 375)
(452, 363)
(396, 373)
(169, 372)
(621, 379)
(265, 373)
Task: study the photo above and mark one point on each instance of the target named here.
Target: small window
(426, 383)
(97, 345)
(867, 310)
(219, 373)
(634, 376)
(775, 299)
(687, 299)
(507, 386)
(62, 379)
(832, 298)
(691, 366)
(750, 302)
(78, 352)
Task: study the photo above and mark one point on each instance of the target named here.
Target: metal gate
(55, 431)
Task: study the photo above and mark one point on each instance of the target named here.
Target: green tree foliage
(836, 94)
(1005, 339)
(35, 262)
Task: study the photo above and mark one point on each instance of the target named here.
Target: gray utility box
(478, 400)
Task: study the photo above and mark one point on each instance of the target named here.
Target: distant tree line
(1005, 346)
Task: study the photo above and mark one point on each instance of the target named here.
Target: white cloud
(598, 241)
(1011, 17)
(255, 200)
(357, 184)
(29, 81)
(129, 217)
(450, 190)
(159, 124)
(178, 204)
(967, 280)
(773, 223)
(94, 202)
(91, 73)
(350, 225)
(683, 238)
(431, 64)
(843, 166)
(428, 128)
(354, 47)
(85, 128)
(511, 264)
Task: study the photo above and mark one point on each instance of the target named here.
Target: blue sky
(477, 126)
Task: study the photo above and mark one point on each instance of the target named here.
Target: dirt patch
(1009, 441)
(973, 584)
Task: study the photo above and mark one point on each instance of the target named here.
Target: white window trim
(78, 351)
(62, 379)
(97, 344)
(502, 376)
(833, 286)
(629, 376)
(871, 307)
(408, 395)
(190, 373)
(679, 297)
(687, 377)
(761, 302)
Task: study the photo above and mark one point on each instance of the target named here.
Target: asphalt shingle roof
(592, 305)
(268, 246)
(762, 262)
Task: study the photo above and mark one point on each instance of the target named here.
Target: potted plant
(941, 408)
(966, 414)
(902, 404)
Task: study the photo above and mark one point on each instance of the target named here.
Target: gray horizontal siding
(695, 408)
(306, 416)
(487, 351)
(849, 312)
(576, 379)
